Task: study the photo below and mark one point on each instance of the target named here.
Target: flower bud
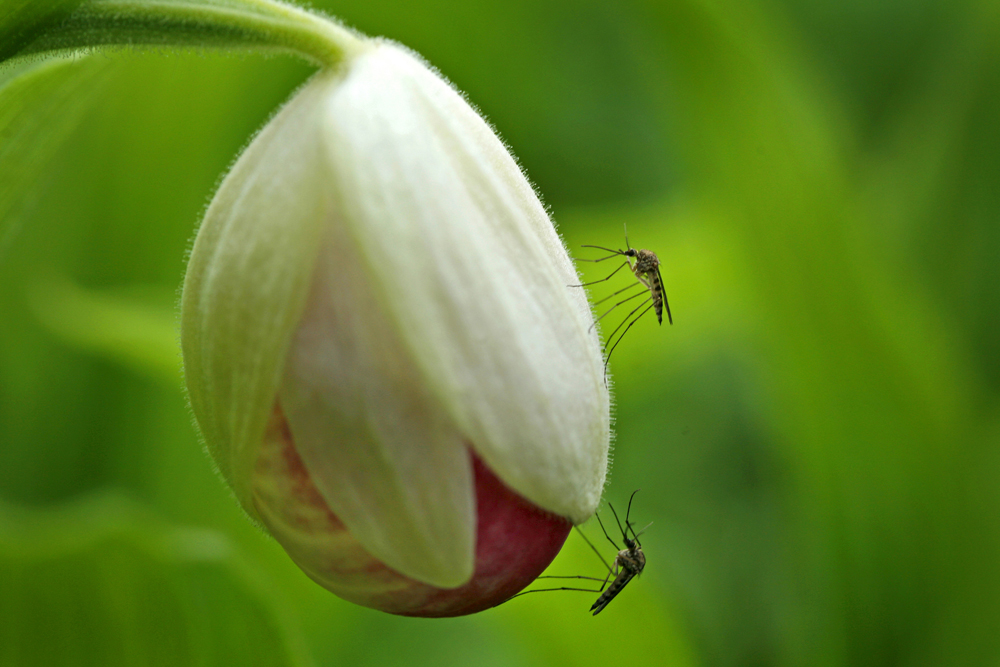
(383, 349)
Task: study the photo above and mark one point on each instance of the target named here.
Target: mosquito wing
(614, 589)
(663, 296)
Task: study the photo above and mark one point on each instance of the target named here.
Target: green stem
(260, 25)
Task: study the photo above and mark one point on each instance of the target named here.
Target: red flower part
(515, 540)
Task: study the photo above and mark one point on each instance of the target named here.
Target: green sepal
(25, 21)
(257, 25)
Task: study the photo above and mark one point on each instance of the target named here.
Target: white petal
(247, 280)
(474, 276)
(379, 448)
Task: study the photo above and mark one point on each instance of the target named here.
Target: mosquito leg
(591, 544)
(604, 582)
(569, 576)
(615, 306)
(546, 590)
(626, 318)
(614, 294)
(608, 358)
(624, 264)
(600, 247)
(624, 534)
(608, 578)
(607, 536)
(597, 261)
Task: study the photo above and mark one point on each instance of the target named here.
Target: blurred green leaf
(815, 436)
(40, 105)
(102, 583)
(864, 394)
(137, 332)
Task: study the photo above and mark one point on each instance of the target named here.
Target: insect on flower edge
(645, 265)
(628, 564)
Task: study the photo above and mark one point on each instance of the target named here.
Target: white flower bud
(377, 306)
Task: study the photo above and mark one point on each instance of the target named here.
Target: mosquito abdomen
(647, 270)
(614, 589)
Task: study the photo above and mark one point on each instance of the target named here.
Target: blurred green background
(817, 437)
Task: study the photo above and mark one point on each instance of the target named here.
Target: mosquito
(646, 267)
(629, 563)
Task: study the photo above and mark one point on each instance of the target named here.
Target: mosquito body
(628, 564)
(645, 265)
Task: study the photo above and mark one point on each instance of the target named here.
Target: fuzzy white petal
(247, 280)
(385, 457)
(471, 269)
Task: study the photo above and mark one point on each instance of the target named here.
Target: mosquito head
(630, 252)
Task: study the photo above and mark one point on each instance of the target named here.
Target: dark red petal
(515, 540)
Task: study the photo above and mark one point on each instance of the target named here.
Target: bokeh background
(817, 437)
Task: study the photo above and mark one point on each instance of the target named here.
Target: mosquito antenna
(624, 534)
(625, 226)
(591, 544)
(605, 534)
(636, 535)
(607, 359)
(603, 279)
(629, 510)
(628, 513)
(663, 293)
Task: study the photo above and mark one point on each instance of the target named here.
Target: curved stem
(265, 25)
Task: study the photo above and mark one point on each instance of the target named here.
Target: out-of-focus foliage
(42, 104)
(101, 584)
(817, 437)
